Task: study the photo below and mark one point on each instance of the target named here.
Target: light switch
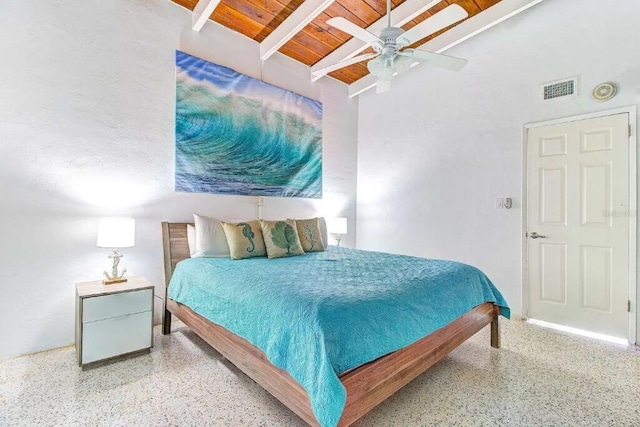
(504, 203)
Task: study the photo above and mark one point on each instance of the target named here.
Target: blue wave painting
(239, 135)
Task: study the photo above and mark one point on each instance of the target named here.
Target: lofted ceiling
(312, 43)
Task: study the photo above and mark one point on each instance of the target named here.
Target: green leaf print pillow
(281, 238)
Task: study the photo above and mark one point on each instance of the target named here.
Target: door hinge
(630, 130)
(629, 306)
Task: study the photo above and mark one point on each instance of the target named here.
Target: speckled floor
(539, 378)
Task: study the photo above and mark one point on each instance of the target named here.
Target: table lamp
(338, 226)
(116, 233)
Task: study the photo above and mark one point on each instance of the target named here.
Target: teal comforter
(323, 313)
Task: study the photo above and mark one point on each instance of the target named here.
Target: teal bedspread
(323, 313)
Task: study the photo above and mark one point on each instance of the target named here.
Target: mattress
(323, 313)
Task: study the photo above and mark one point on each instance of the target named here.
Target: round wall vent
(604, 92)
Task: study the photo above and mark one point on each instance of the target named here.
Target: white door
(578, 224)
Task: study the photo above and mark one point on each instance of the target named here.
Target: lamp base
(112, 281)
(115, 277)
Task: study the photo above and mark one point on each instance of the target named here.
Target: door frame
(634, 289)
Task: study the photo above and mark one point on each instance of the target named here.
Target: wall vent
(565, 88)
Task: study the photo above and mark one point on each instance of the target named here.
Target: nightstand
(113, 321)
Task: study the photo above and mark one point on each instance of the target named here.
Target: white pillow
(323, 231)
(191, 239)
(210, 239)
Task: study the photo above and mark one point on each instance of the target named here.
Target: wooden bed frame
(366, 386)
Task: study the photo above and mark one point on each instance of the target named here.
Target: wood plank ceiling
(258, 18)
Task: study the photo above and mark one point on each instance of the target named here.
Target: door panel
(595, 279)
(596, 140)
(553, 273)
(595, 192)
(553, 194)
(553, 146)
(577, 182)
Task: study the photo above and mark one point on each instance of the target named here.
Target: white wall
(435, 152)
(87, 95)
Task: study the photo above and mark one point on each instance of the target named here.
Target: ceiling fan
(389, 58)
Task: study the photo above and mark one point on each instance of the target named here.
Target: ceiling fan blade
(383, 86)
(440, 20)
(351, 28)
(342, 64)
(436, 59)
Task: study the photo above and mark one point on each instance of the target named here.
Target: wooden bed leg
(495, 332)
(166, 322)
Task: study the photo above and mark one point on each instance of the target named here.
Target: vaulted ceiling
(316, 40)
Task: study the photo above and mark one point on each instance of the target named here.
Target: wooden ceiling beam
(494, 15)
(202, 12)
(400, 16)
(291, 26)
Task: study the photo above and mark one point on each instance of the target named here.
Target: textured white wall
(435, 152)
(87, 93)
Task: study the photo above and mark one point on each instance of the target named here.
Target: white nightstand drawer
(117, 335)
(108, 306)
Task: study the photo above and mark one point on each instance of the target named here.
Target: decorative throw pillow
(191, 239)
(210, 238)
(244, 239)
(310, 235)
(323, 232)
(281, 238)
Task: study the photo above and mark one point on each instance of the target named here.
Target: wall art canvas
(238, 135)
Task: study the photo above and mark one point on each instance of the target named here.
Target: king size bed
(330, 334)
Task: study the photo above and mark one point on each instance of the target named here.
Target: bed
(314, 334)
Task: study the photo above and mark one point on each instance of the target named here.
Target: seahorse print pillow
(244, 239)
(310, 234)
(281, 238)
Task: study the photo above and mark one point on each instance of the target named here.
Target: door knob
(535, 235)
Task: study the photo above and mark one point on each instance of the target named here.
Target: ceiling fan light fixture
(402, 63)
(375, 66)
(386, 73)
(381, 67)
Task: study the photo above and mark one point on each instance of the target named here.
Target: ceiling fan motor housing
(390, 34)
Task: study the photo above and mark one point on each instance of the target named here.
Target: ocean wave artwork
(238, 135)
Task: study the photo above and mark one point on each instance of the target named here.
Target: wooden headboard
(175, 246)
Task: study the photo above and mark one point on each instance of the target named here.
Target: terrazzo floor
(540, 377)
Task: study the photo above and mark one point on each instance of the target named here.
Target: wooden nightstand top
(95, 288)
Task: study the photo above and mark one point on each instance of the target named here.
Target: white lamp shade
(116, 232)
(337, 226)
